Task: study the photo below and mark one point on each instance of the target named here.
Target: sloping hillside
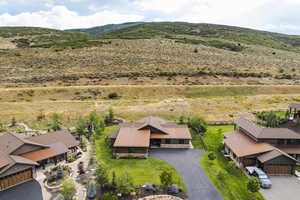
(104, 29)
(148, 53)
(236, 34)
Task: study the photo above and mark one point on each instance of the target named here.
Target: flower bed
(56, 176)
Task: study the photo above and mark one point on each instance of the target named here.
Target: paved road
(187, 164)
(283, 187)
(27, 191)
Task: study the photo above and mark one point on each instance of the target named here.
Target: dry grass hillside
(215, 103)
(148, 55)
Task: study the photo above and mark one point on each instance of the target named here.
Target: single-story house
(20, 155)
(253, 145)
(134, 139)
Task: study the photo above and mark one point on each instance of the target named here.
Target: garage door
(279, 169)
(15, 179)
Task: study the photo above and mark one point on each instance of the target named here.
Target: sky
(271, 15)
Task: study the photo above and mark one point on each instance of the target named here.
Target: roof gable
(54, 137)
(138, 134)
(154, 124)
(275, 153)
(242, 145)
(257, 132)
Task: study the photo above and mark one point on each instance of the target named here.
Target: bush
(253, 185)
(68, 189)
(221, 177)
(102, 175)
(231, 167)
(53, 183)
(71, 159)
(13, 122)
(198, 124)
(113, 95)
(125, 184)
(211, 156)
(166, 178)
(109, 196)
(55, 122)
(2, 128)
(109, 117)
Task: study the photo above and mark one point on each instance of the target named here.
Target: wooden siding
(15, 169)
(279, 169)
(16, 179)
(249, 162)
(281, 160)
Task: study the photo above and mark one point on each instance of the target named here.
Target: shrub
(253, 185)
(85, 182)
(114, 179)
(102, 175)
(71, 159)
(2, 128)
(125, 184)
(231, 167)
(198, 124)
(113, 95)
(55, 123)
(109, 117)
(53, 183)
(109, 196)
(166, 178)
(221, 177)
(211, 156)
(68, 189)
(13, 122)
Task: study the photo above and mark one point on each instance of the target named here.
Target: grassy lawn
(212, 138)
(234, 186)
(142, 170)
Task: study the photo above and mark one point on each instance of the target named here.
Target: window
(168, 141)
(181, 141)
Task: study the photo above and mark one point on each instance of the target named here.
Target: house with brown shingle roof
(275, 150)
(19, 156)
(135, 139)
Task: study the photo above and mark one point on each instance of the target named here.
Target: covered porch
(169, 143)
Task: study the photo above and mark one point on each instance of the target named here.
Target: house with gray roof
(275, 150)
(20, 156)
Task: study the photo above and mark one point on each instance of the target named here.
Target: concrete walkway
(81, 190)
(186, 162)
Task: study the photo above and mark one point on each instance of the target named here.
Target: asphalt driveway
(283, 187)
(186, 162)
(27, 191)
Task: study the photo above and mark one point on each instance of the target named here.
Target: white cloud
(60, 17)
(215, 11)
(272, 15)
